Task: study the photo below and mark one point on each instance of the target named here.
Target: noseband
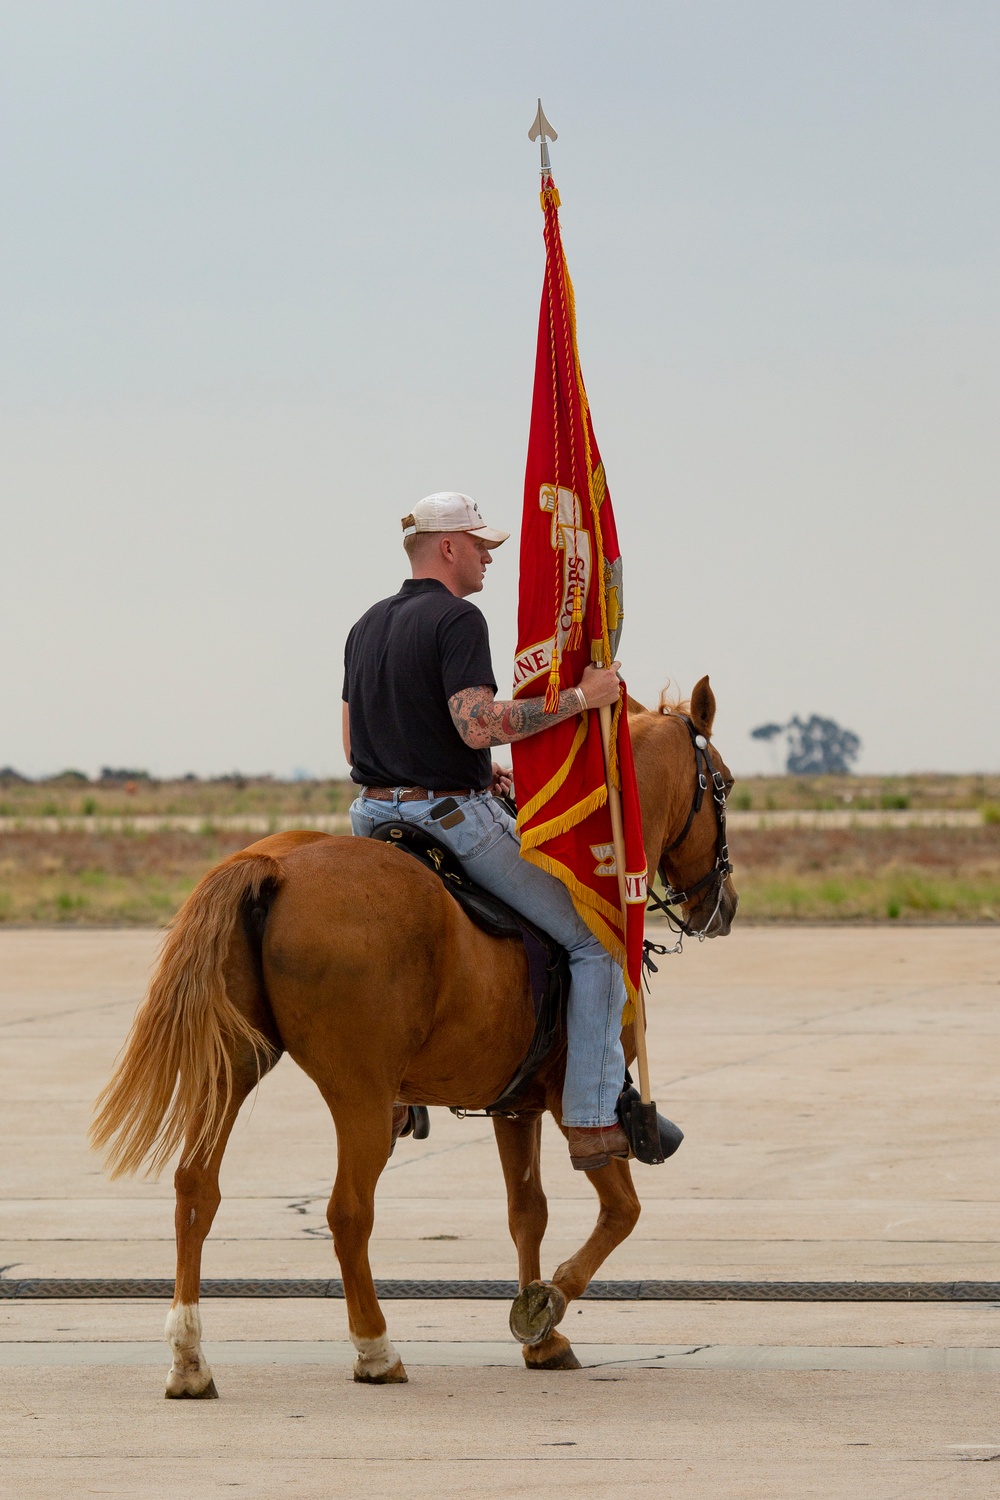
(705, 773)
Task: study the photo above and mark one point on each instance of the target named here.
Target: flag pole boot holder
(651, 1135)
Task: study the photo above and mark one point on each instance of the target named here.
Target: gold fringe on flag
(542, 832)
(532, 806)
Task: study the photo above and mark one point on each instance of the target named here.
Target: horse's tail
(176, 1069)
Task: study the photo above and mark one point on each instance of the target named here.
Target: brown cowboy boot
(591, 1147)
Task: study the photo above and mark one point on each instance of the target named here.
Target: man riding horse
(360, 966)
(420, 715)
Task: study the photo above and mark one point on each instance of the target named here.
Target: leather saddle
(548, 965)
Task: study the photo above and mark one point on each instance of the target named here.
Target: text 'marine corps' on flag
(570, 613)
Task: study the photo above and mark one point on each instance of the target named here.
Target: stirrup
(418, 1123)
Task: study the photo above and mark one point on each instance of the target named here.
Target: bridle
(705, 774)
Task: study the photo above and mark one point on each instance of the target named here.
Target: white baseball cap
(449, 511)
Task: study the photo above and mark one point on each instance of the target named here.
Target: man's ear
(703, 708)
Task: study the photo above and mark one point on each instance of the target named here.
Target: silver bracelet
(581, 699)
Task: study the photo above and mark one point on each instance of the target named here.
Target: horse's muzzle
(720, 924)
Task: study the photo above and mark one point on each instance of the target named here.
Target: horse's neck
(659, 780)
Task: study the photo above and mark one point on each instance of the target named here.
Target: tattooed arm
(483, 721)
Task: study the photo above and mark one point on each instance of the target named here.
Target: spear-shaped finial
(542, 130)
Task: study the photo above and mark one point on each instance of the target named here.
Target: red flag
(569, 613)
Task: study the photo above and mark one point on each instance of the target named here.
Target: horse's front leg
(541, 1305)
(519, 1142)
(364, 1139)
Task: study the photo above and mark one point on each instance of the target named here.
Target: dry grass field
(72, 795)
(104, 879)
(868, 874)
(789, 874)
(865, 793)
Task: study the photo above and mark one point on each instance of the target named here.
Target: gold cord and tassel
(554, 688)
(575, 638)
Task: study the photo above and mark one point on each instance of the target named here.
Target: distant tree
(767, 731)
(816, 746)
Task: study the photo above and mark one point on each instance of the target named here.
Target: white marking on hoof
(190, 1373)
(376, 1357)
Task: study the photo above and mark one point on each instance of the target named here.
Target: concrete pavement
(838, 1090)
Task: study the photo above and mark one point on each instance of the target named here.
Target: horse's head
(683, 784)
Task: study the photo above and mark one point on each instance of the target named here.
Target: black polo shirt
(403, 660)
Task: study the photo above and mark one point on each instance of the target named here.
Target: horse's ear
(703, 707)
(635, 707)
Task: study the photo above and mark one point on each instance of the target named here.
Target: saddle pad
(488, 912)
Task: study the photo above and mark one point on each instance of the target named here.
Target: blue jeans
(490, 851)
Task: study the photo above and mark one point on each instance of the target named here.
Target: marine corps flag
(570, 613)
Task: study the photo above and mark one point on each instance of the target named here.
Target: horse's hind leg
(196, 1185)
(364, 1140)
(541, 1305)
(519, 1143)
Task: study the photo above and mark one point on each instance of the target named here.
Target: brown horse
(355, 960)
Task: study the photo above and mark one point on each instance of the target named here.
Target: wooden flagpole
(618, 835)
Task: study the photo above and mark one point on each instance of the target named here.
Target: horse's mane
(669, 704)
(673, 703)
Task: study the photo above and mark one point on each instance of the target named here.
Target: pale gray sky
(271, 270)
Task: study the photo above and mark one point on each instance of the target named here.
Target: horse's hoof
(535, 1311)
(377, 1362)
(394, 1376)
(556, 1353)
(207, 1393)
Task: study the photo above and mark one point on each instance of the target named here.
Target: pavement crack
(477, 1140)
(58, 1015)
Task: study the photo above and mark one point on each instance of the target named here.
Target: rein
(705, 775)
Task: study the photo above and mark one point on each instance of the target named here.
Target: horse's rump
(345, 953)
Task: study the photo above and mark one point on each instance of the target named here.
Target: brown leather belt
(411, 793)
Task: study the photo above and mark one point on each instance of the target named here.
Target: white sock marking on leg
(190, 1370)
(375, 1356)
